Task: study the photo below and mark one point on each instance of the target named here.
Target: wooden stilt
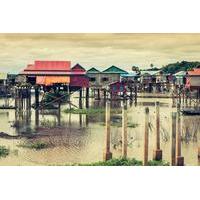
(36, 97)
(107, 154)
(80, 99)
(179, 158)
(135, 94)
(173, 149)
(157, 151)
(146, 136)
(98, 94)
(124, 130)
(59, 113)
(87, 98)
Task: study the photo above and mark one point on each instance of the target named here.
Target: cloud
(125, 50)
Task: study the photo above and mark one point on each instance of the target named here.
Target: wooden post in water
(98, 94)
(87, 98)
(124, 130)
(36, 118)
(59, 113)
(179, 158)
(157, 152)
(80, 99)
(173, 149)
(104, 94)
(146, 136)
(199, 154)
(108, 154)
(36, 97)
(173, 97)
(135, 94)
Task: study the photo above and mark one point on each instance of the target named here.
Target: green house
(99, 78)
(114, 70)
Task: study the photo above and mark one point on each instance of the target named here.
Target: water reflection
(80, 138)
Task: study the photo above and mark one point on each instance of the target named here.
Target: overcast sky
(103, 50)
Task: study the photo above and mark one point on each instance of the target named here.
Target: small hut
(111, 74)
(94, 76)
(193, 79)
(180, 77)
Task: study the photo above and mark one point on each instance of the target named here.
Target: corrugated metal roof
(49, 66)
(52, 65)
(115, 70)
(78, 67)
(181, 73)
(149, 72)
(131, 74)
(93, 70)
(52, 73)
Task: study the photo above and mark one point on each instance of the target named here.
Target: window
(92, 79)
(104, 79)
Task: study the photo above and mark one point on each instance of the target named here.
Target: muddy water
(75, 138)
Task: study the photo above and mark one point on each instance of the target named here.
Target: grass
(123, 162)
(4, 151)
(115, 162)
(37, 145)
(85, 111)
(90, 111)
(158, 163)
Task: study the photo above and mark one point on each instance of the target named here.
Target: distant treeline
(178, 66)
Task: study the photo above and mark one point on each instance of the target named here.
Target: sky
(102, 49)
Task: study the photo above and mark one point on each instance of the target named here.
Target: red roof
(52, 66)
(194, 72)
(61, 73)
(78, 67)
(60, 68)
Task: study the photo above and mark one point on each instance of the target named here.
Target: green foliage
(179, 66)
(4, 151)
(37, 145)
(90, 111)
(85, 111)
(116, 162)
(158, 163)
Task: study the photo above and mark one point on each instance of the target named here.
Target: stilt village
(47, 85)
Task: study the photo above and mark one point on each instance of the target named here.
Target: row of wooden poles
(22, 98)
(186, 99)
(177, 159)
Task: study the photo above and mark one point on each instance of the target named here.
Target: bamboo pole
(146, 136)
(157, 151)
(124, 130)
(107, 154)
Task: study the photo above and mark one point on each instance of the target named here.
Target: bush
(37, 145)
(158, 163)
(116, 162)
(4, 151)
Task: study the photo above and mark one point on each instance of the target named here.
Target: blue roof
(149, 72)
(181, 73)
(130, 74)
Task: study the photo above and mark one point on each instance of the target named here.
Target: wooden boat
(189, 111)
